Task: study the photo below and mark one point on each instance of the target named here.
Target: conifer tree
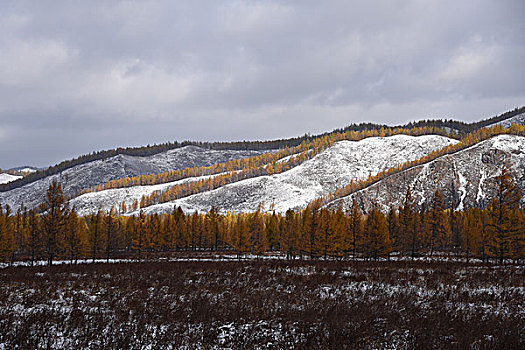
(95, 234)
(258, 239)
(7, 243)
(138, 234)
(240, 238)
(273, 231)
(408, 224)
(179, 228)
(470, 233)
(110, 230)
(212, 225)
(393, 229)
(501, 219)
(55, 212)
(34, 237)
(339, 226)
(439, 226)
(355, 227)
(376, 235)
(290, 235)
(74, 241)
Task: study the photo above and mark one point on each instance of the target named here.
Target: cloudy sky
(79, 76)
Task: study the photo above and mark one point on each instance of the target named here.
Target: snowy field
(263, 304)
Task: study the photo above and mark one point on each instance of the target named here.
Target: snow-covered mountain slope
(5, 178)
(98, 172)
(329, 170)
(466, 178)
(518, 119)
(92, 202)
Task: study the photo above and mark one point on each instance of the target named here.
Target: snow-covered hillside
(466, 178)
(518, 119)
(333, 168)
(98, 172)
(5, 178)
(92, 202)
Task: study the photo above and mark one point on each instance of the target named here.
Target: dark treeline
(458, 127)
(495, 233)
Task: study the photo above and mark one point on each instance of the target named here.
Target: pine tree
(212, 227)
(138, 234)
(470, 233)
(257, 233)
(7, 243)
(179, 229)
(110, 229)
(273, 231)
(439, 226)
(377, 241)
(75, 241)
(55, 212)
(290, 234)
(34, 237)
(240, 240)
(408, 224)
(501, 219)
(338, 226)
(393, 229)
(95, 234)
(355, 227)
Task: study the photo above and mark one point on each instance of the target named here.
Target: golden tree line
(494, 233)
(236, 170)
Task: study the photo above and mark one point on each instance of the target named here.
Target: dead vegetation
(263, 304)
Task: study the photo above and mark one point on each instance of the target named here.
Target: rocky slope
(333, 168)
(98, 172)
(466, 178)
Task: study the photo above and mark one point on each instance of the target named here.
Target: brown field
(263, 304)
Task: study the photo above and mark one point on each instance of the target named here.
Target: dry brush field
(263, 304)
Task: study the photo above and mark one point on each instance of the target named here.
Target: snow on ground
(466, 178)
(329, 170)
(92, 202)
(5, 178)
(94, 173)
(518, 119)
(462, 189)
(27, 170)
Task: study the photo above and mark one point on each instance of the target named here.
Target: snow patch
(462, 188)
(480, 196)
(6, 178)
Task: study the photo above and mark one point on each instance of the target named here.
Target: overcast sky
(79, 76)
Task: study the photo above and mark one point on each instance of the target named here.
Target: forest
(495, 233)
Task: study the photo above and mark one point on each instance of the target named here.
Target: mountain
(336, 166)
(466, 178)
(100, 171)
(5, 178)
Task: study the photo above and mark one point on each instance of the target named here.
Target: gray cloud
(82, 76)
